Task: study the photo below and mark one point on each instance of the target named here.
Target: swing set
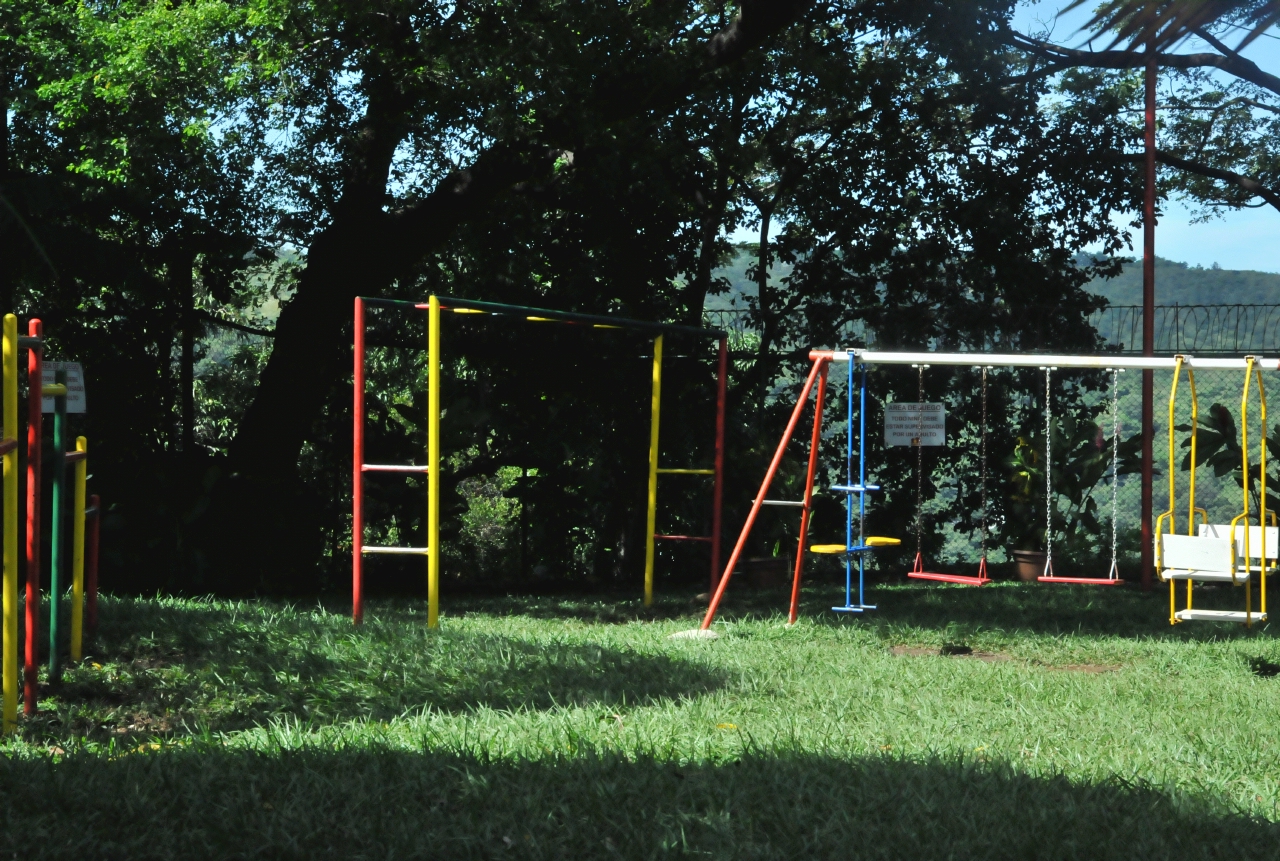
(1220, 553)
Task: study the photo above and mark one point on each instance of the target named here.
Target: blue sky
(1247, 239)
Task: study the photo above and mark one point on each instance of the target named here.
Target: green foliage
(1082, 456)
(1218, 447)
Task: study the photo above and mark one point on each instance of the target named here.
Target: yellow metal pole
(433, 462)
(10, 410)
(1262, 514)
(77, 553)
(1191, 482)
(651, 517)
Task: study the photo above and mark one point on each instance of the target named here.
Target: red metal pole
(818, 365)
(808, 493)
(91, 565)
(717, 493)
(1148, 318)
(357, 473)
(35, 422)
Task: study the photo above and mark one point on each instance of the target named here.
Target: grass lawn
(1061, 722)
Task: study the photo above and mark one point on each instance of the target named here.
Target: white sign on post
(75, 385)
(915, 424)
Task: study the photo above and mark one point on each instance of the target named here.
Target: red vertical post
(91, 565)
(1148, 317)
(818, 365)
(35, 422)
(357, 470)
(717, 492)
(808, 493)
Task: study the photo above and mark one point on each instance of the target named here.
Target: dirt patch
(1092, 669)
(950, 650)
(913, 651)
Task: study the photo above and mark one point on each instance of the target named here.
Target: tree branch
(1235, 65)
(1239, 180)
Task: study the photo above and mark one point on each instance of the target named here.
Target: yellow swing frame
(1168, 518)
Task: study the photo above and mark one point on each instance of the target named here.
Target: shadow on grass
(1036, 608)
(363, 803)
(165, 668)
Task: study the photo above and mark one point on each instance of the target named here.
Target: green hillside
(1176, 283)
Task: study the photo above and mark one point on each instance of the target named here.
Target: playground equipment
(860, 357)
(1113, 573)
(434, 306)
(1230, 553)
(917, 571)
(9, 446)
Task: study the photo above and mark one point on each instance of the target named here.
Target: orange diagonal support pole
(808, 492)
(819, 365)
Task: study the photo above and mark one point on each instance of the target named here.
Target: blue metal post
(862, 479)
(848, 498)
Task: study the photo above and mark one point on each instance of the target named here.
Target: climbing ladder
(717, 491)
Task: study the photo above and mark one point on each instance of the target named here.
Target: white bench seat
(1220, 616)
(1203, 576)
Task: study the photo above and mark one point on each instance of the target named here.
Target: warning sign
(915, 424)
(75, 385)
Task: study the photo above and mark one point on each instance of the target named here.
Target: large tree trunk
(259, 515)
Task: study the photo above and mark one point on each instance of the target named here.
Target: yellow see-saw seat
(870, 541)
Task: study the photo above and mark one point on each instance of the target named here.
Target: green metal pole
(57, 559)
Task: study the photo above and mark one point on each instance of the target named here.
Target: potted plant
(1081, 459)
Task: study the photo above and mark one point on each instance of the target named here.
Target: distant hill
(1176, 283)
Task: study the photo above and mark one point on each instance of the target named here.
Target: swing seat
(1112, 580)
(918, 573)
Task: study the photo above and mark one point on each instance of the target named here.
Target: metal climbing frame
(434, 306)
(821, 359)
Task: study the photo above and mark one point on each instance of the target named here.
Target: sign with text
(915, 424)
(75, 385)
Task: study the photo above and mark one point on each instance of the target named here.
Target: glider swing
(1222, 553)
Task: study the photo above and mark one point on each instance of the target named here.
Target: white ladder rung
(392, 467)
(786, 502)
(402, 551)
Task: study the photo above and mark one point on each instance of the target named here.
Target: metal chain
(984, 463)
(1048, 473)
(919, 462)
(1115, 463)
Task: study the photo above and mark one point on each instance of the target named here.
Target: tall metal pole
(814, 445)
(9, 410)
(357, 468)
(1148, 314)
(57, 554)
(433, 462)
(717, 493)
(35, 433)
(651, 511)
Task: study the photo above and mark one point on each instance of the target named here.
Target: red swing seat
(918, 573)
(1113, 580)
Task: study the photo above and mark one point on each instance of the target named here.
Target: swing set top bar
(1036, 360)
(451, 303)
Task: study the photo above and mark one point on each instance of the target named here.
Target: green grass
(1082, 727)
